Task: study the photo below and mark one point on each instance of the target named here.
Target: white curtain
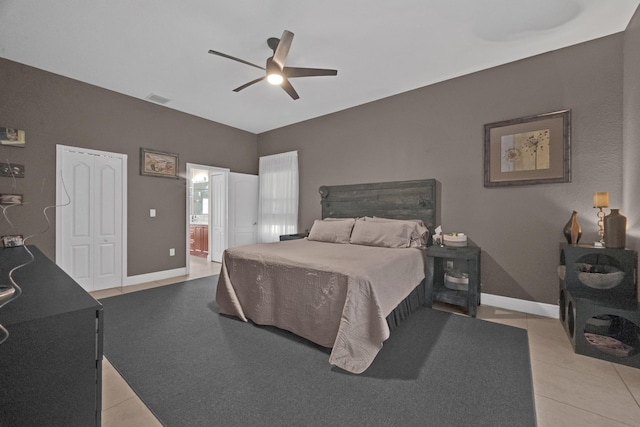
(278, 200)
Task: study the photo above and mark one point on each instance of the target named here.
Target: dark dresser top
(46, 289)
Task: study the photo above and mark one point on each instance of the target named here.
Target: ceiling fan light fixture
(275, 79)
(276, 73)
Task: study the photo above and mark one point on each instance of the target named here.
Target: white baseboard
(158, 275)
(531, 307)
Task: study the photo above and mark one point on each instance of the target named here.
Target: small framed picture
(158, 163)
(11, 136)
(12, 241)
(10, 199)
(11, 170)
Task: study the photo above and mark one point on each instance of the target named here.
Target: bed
(358, 274)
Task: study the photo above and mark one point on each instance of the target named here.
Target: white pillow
(419, 235)
(332, 231)
(388, 234)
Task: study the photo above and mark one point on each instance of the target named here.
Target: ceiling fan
(276, 72)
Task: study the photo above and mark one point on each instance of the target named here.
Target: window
(278, 200)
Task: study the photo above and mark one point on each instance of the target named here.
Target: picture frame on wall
(11, 170)
(528, 150)
(11, 199)
(158, 163)
(13, 137)
(12, 241)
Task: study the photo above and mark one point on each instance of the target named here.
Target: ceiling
(380, 48)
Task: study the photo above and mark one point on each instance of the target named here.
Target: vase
(615, 229)
(572, 230)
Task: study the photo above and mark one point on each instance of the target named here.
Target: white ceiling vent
(157, 98)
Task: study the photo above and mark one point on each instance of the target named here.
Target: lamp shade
(601, 199)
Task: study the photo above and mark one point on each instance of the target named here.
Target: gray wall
(631, 129)
(432, 132)
(56, 110)
(437, 132)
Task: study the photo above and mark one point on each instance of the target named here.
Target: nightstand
(435, 289)
(296, 236)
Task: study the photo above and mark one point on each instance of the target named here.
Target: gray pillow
(388, 234)
(332, 231)
(419, 235)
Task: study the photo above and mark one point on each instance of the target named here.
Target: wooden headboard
(399, 200)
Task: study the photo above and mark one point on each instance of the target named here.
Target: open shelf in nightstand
(435, 290)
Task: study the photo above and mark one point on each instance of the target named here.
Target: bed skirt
(411, 303)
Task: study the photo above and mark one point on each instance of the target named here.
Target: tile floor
(570, 389)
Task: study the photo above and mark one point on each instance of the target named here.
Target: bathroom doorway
(222, 212)
(201, 211)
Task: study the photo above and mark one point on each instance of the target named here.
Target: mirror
(200, 199)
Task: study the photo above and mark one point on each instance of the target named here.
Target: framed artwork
(158, 163)
(11, 136)
(12, 170)
(10, 199)
(528, 150)
(12, 241)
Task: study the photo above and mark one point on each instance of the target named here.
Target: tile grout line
(567, 368)
(578, 407)
(626, 385)
(583, 410)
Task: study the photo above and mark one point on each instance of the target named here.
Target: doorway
(91, 221)
(206, 210)
(231, 214)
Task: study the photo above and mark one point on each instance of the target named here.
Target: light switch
(152, 213)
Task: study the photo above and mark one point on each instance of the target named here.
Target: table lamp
(600, 201)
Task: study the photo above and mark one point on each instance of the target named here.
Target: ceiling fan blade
(281, 52)
(307, 72)
(246, 85)
(289, 89)
(224, 55)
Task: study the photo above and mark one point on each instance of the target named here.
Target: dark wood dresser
(51, 363)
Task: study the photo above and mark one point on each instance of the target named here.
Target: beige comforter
(336, 295)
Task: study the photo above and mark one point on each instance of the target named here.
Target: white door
(243, 209)
(90, 226)
(218, 216)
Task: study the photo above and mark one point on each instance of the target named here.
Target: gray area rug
(194, 367)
